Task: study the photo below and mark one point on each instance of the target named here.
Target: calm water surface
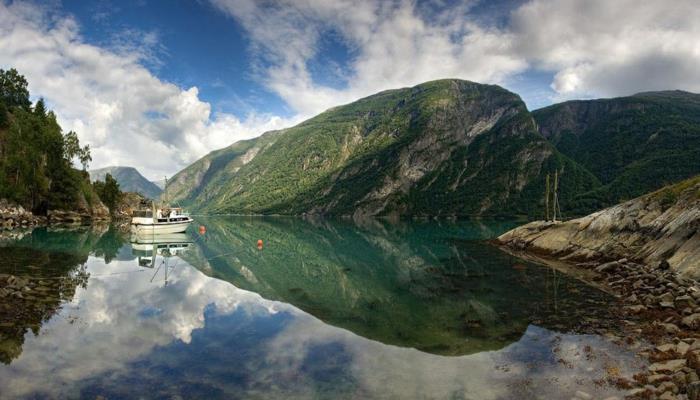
(326, 309)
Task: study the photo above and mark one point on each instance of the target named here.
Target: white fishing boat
(160, 220)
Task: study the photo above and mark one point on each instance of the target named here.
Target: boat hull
(165, 228)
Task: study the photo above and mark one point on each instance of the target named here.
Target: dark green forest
(633, 145)
(36, 156)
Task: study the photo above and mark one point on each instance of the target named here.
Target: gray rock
(670, 328)
(666, 298)
(693, 377)
(692, 321)
(583, 395)
(668, 387)
(636, 309)
(668, 396)
(670, 365)
(608, 267)
(684, 301)
(693, 391)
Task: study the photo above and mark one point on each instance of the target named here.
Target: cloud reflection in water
(124, 335)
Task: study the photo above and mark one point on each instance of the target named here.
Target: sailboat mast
(165, 191)
(546, 199)
(556, 196)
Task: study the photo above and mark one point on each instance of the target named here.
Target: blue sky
(183, 77)
(196, 46)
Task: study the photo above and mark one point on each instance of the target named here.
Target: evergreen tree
(40, 108)
(109, 192)
(13, 89)
(35, 157)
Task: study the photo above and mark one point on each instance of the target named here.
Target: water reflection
(118, 331)
(431, 286)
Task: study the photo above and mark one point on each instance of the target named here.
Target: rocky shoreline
(646, 252)
(659, 318)
(13, 216)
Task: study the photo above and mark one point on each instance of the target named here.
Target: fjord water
(325, 309)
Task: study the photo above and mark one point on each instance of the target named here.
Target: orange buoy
(260, 243)
(202, 230)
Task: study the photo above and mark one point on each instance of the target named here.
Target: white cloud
(395, 46)
(608, 48)
(131, 117)
(590, 47)
(126, 114)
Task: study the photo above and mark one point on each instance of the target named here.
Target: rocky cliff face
(661, 229)
(443, 148)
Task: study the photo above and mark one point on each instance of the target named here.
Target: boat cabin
(162, 215)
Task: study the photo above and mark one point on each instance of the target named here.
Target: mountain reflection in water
(327, 309)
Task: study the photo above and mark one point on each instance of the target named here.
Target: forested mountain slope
(633, 145)
(442, 148)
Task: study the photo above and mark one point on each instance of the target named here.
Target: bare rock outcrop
(660, 229)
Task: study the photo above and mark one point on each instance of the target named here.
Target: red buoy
(260, 243)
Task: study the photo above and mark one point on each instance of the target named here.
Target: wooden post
(546, 199)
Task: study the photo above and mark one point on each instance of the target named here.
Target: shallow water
(325, 309)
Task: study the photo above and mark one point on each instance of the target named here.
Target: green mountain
(130, 180)
(633, 145)
(442, 148)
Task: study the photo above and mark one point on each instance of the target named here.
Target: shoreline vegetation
(38, 182)
(645, 252)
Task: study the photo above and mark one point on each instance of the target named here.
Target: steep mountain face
(130, 180)
(204, 179)
(633, 145)
(442, 148)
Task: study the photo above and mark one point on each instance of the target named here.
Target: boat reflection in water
(148, 248)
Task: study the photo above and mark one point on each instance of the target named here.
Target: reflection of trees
(34, 284)
(425, 285)
(108, 245)
(39, 271)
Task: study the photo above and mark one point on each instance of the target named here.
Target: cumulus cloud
(590, 48)
(126, 114)
(131, 117)
(608, 48)
(393, 44)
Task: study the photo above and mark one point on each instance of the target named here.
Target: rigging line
(154, 274)
(118, 273)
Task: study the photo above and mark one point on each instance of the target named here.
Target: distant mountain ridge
(129, 179)
(442, 148)
(452, 148)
